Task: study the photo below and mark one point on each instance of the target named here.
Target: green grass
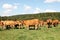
(23, 34)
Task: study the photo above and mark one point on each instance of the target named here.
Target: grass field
(23, 34)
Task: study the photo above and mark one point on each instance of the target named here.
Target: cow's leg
(48, 26)
(12, 26)
(36, 27)
(3, 27)
(16, 26)
(39, 25)
(27, 26)
(54, 25)
(19, 27)
(7, 26)
(22, 26)
(32, 27)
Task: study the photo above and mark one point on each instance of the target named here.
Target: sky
(18, 7)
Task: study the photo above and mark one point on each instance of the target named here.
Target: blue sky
(15, 7)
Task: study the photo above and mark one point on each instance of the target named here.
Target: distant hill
(41, 16)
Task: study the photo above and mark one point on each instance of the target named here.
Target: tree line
(41, 16)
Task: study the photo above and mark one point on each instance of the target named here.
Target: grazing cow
(49, 23)
(55, 22)
(32, 22)
(8, 24)
(18, 24)
(11, 24)
(41, 23)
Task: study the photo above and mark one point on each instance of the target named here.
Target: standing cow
(18, 24)
(8, 24)
(49, 23)
(41, 23)
(32, 22)
(55, 22)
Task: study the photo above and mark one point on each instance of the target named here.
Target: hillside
(41, 16)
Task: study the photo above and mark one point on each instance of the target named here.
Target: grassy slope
(23, 34)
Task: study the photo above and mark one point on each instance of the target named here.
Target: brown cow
(41, 23)
(18, 24)
(8, 24)
(49, 23)
(11, 24)
(55, 22)
(32, 22)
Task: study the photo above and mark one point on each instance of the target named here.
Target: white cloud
(49, 10)
(50, 1)
(15, 7)
(8, 8)
(37, 10)
(26, 7)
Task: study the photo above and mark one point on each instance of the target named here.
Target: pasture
(22, 34)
